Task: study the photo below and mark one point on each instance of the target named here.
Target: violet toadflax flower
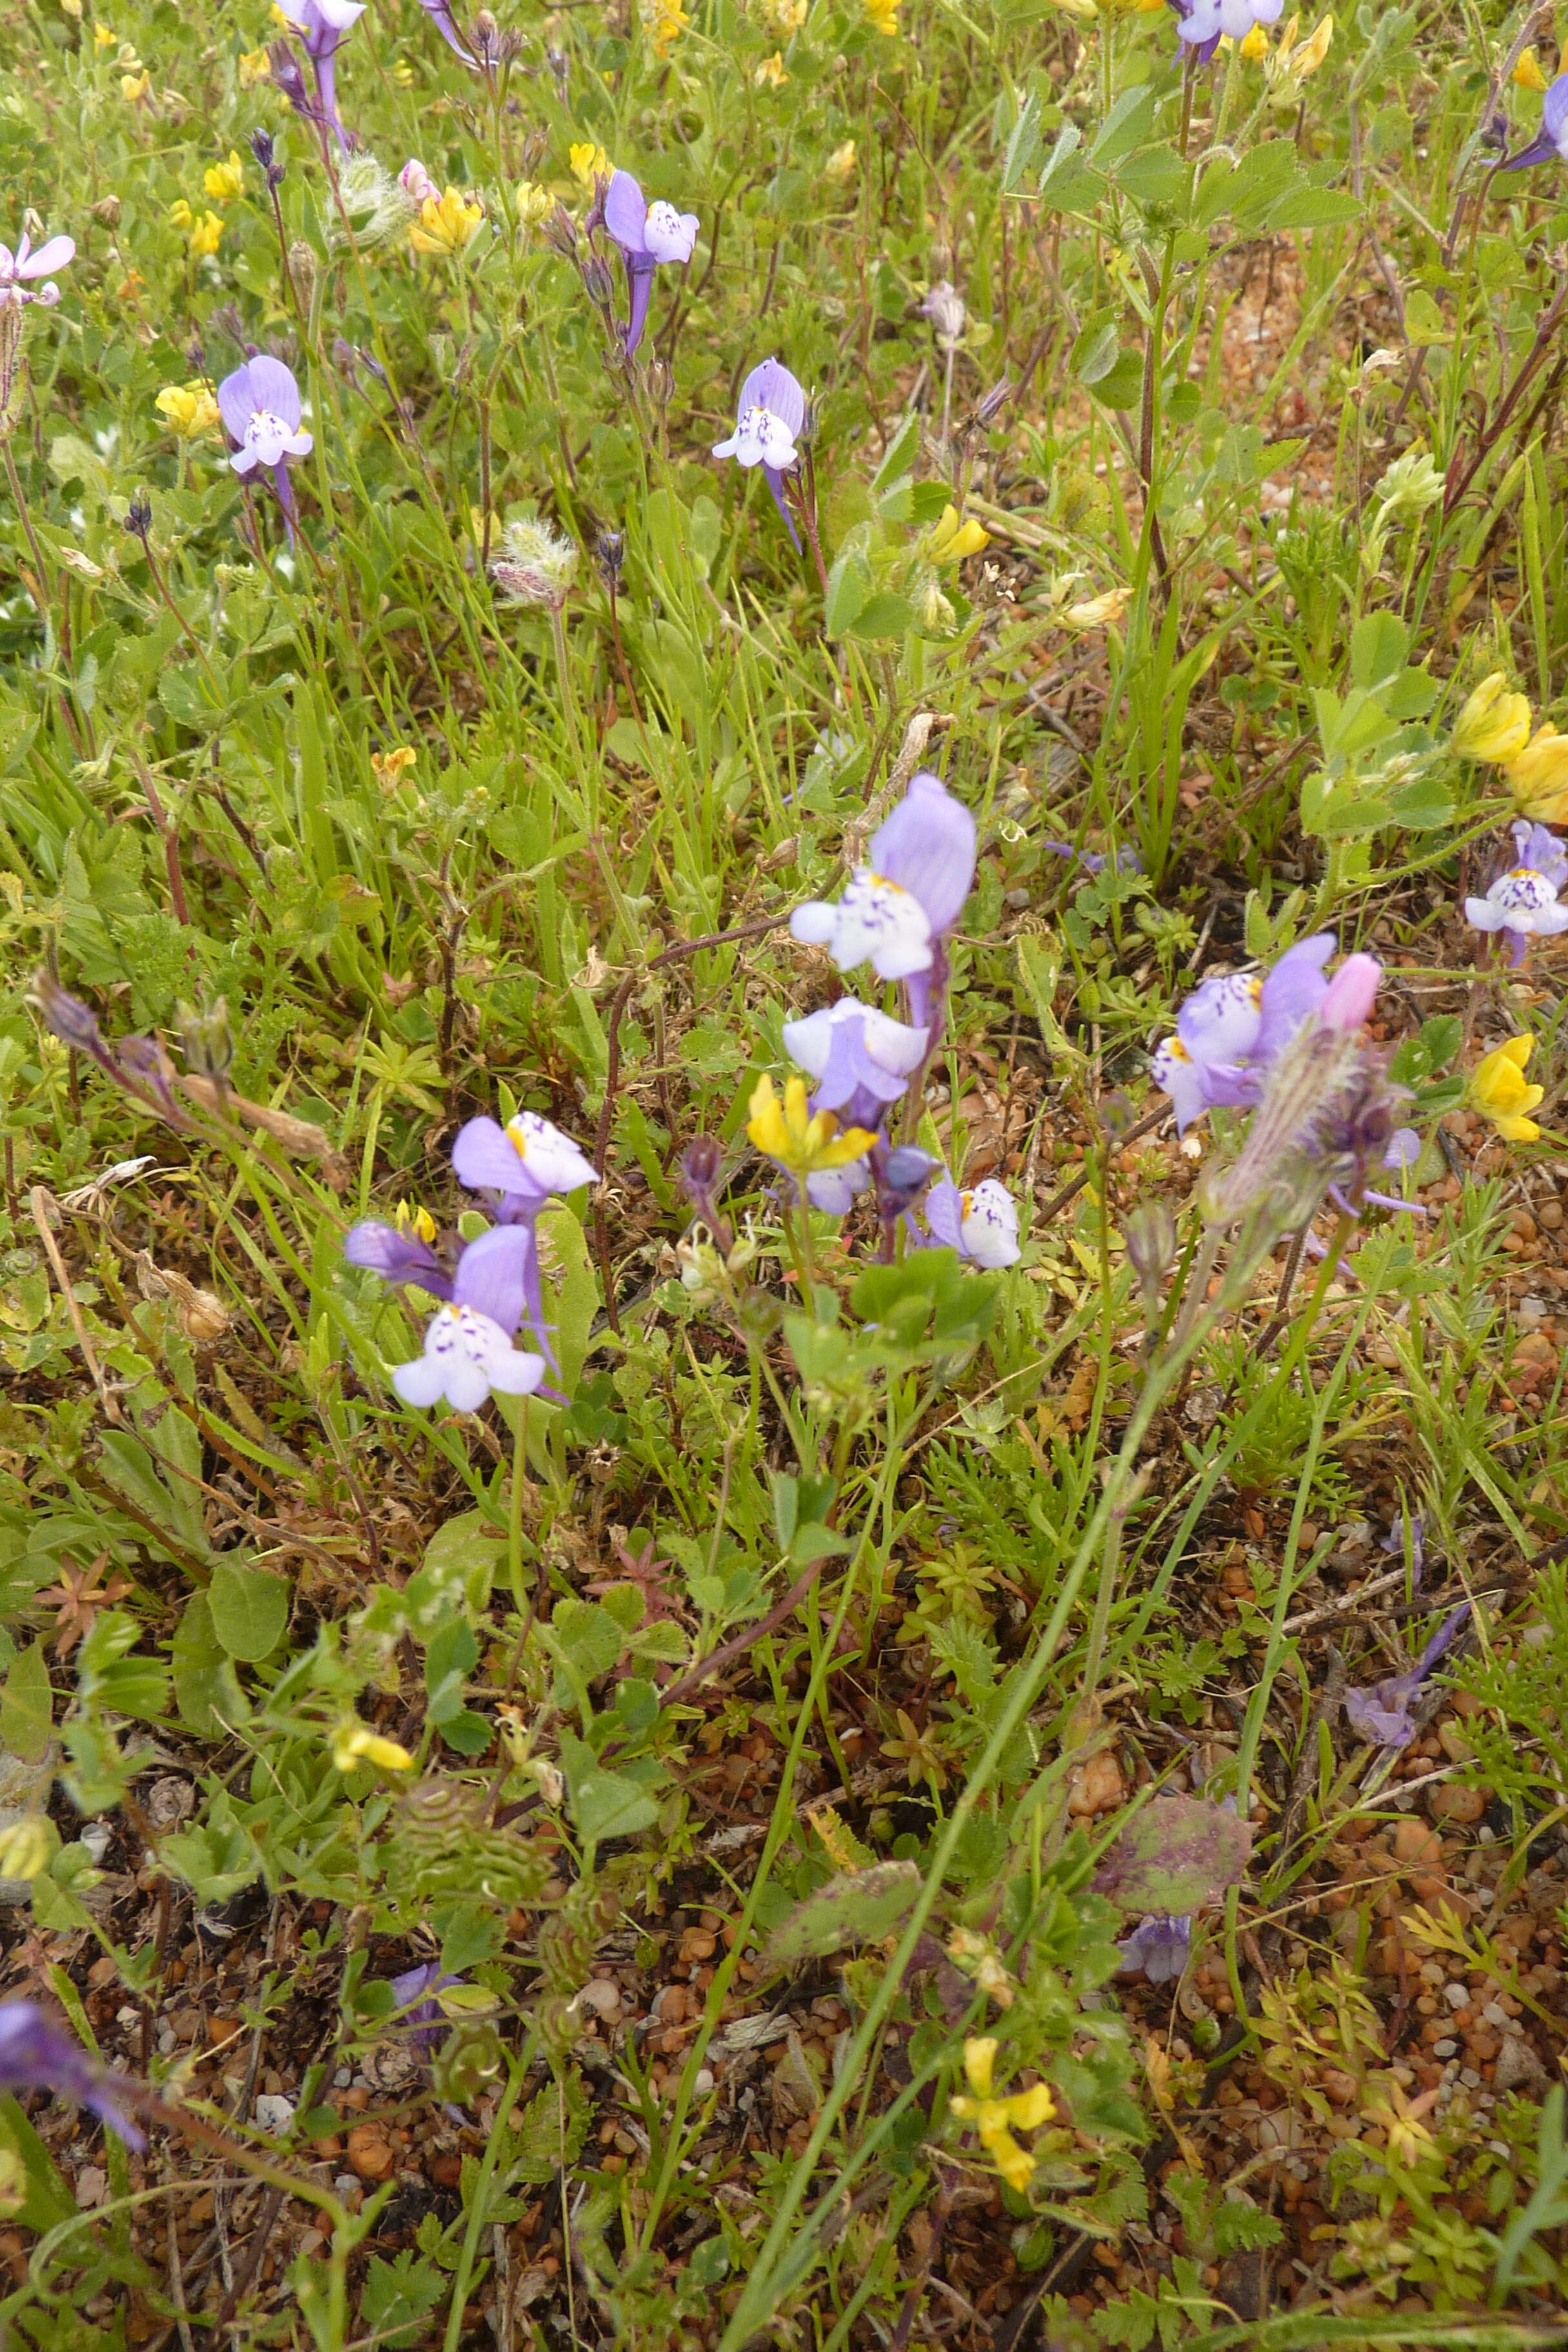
(1382, 1714)
(1524, 901)
(37, 2054)
(259, 404)
(981, 1222)
(1202, 23)
(1232, 1027)
(521, 1165)
(902, 903)
(1160, 1945)
(468, 1348)
(1550, 143)
(19, 268)
(646, 235)
(323, 26)
(771, 414)
(398, 1258)
(862, 1060)
(417, 1992)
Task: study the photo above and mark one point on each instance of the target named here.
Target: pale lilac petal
(771, 386)
(835, 1189)
(1221, 1019)
(1177, 1075)
(273, 388)
(484, 1159)
(493, 1275)
(237, 402)
(1554, 110)
(467, 1383)
(669, 236)
(47, 258)
(945, 1214)
(420, 1382)
(989, 1225)
(1295, 988)
(626, 213)
(927, 846)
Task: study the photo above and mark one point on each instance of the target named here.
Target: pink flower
(25, 262)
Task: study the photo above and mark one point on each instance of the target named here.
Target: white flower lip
(760, 438)
(466, 1357)
(874, 918)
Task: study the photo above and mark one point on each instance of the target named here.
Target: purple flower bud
(71, 1021)
(398, 1257)
(37, 2054)
(1160, 1945)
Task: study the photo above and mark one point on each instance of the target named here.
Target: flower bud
(610, 556)
(944, 307)
(107, 211)
(302, 270)
(1494, 724)
(597, 282)
(561, 231)
(138, 517)
(660, 379)
(206, 1040)
(1148, 1237)
(65, 1016)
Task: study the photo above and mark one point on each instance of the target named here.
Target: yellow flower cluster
(535, 204)
(135, 88)
(104, 37)
(188, 409)
(1494, 727)
(255, 65)
(994, 2119)
(882, 15)
(771, 73)
(224, 182)
(1499, 1090)
(203, 233)
(446, 222)
(355, 1743)
(663, 21)
(951, 541)
(783, 18)
(588, 161)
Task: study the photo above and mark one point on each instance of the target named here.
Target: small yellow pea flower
(188, 409)
(255, 65)
(663, 21)
(805, 1143)
(588, 161)
(951, 541)
(1494, 724)
(25, 1848)
(882, 15)
(535, 204)
(389, 768)
(410, 1217)
(356, 1743)
(783, 18)
(446, 222)
(840, 164)
(136, 87)
(224, 182)
(1538, 776)
(102, 38)
(995, 2118)
(1255, 46)
(1527, 73)
(205, 235)
(1499, 1089)
(402, 73)
(1097, 612)
(771, 72)
(1313, 50)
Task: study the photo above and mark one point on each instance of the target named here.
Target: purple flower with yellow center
(1550, 143)
(1232, 1027)
(468, 1354)
(862, 1060)
(981, 1222)
(646, 235)
(1382, 1714)
(1524, 902)
(261, 406)
(323, 26)
(417, 1991)
(770, 417)
(1160, 1945)
(36, 2054)
(468, 1344)
(902, 904)
(521, 1165)
(19, 268)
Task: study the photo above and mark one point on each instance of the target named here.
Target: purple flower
(440, 16)
(1126, 861)
(1160, 1945)
(1524, 901)
(772, 412)
(398, 1257)
(259, 404)
(415, 1990)
(25, 262)
(324, 24)
(862, 1060)
(834, 1191)
(1382, 1714)
(1394, 1541)
(981, 1224)
(468, 1349)
(902, 904)
(36, 2055)
(1202, 22)
(1550, 143)
(520, 1165)
(646, 235)
(1232, 1027)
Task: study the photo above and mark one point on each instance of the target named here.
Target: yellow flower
(1494, 724)
(804, 1143)
(71, 8)
(1499, 1090)
(840, 164)
(205, 235)
(224, 182)
(587, 162)
(134, 87)
(951, 541)
(255, 65)
(533, 204)
(1527, 73)
(25, 1848)
(1538, 776)
(882, 15)
(446, 222)
(389, 768)
(1255, 45)
(411, 1218)
(783, 18)
(772, 71)
(355, 1743)
(102, 38)
(995, 2118)
(663, 21)
(402, 73)
(188, 408)
(1097, 612)
(1313, 50)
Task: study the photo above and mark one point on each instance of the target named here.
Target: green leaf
(847, 584)
(882, 615)
(1095, 346)
(206, 1689)
(1122, 385)
(1177, 1854)
(27, 1714)
(46, 2201)
(549, 2132)
(249, 1610)
(610, 1805)
(1125, 127)
(860, 1907)
(1023, 146)
(398, 2297)
(1380, 643)
(1312, 208)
